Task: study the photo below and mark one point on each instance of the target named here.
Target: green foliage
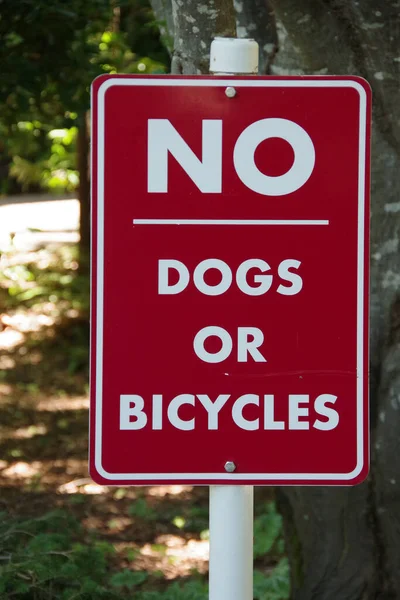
(60, 283)
(197, 520)
(47, 53)
(42, 559)
(191, 518)
(275, 585)
(268, 541)
(57, 290)
(268, 531)
(192, 590)
(141, 509)
(179, 522)
(50, 54)
(128, 579)
(54, 170)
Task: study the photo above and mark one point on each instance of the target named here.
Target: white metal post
(231, 542)
(232, 506)
(234, 56)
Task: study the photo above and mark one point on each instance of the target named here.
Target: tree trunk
(193, 26)
(83, 193)
(256, 20)
(343, 543)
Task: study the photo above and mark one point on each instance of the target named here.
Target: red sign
(230, 287)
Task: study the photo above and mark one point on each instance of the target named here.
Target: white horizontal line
(230, 222)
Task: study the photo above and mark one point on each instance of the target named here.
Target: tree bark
(83, 193)
(163, 12)
(347, 540)
(193, 26)
(256, 20)
(343, 543)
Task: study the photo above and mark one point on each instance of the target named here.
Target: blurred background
(61, 535)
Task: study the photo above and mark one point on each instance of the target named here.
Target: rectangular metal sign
(230, 280)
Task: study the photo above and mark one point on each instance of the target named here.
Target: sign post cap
(234, 56)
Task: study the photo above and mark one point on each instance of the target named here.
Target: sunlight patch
(6, 362)
(26, 225)
(5, 389)
(82, 486)
(24, 433)
(192, 549)
(174, 490)
(54, 404)
(22, 470)
(9, 338)
(24, 321)
(174, 556)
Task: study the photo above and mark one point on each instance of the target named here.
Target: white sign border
(314, 478)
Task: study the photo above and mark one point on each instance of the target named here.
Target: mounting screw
(230, 92)
(230, 466)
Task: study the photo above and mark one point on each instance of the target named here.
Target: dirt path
(28, 220)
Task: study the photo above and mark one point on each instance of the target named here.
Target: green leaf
(179, 522)
(275, 585)
(128, 579)
(267, 530)
(141, 509)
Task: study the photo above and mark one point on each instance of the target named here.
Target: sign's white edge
(198, 477)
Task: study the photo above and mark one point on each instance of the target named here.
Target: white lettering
(269, 419)
(157, 411)
(209, 357)
(212, 290)
(135, 415)
(164, 267)
(323, 410)
(298, 174)
(213, 408)
(249, 339)
(206, 174)
(286, 275)
(173, 408)
(237, 412)
(167, 267)
(132, 405)
(296, 411)
(264, 281)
